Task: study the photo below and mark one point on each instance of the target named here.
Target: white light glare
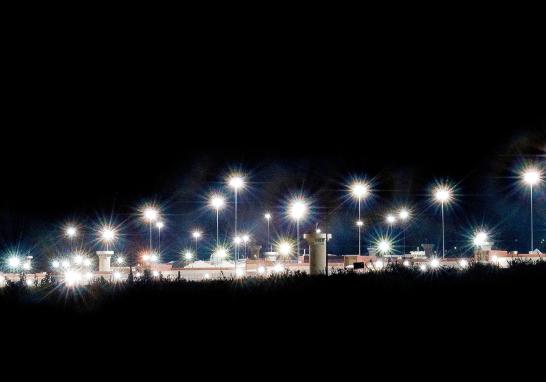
(150, 214)
(297, 209)
(107, 234)
(71, 232)
(391, 219)
(359, 223)
(406, 263)
(360, 190)
(384, 246)
(480, 238)
(463, 263)
(532, 176)
(196, 234)
(267, 216)
(434, 263)
(285, 248)
(55, 264)
(261, 270)
(236, 182)
(442, 194)
(160, 225)
(14, 262)
(239, 272)
(404, 214)
(217, 202)
(188, 255)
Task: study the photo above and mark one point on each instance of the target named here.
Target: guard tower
(317, 251)
(104, 260)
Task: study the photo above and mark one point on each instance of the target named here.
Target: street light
(531, 177)
(297, 211)
(236, 182)
(107, 234)
(71, 232)
(150, 214)
(359, 191)
(188, 256)
(196, 236)
(480, 239)
(404, 216)
(384, 246)
(267, 217)
(217, 202)
(285, 248)
(443, 195)
(159, 226)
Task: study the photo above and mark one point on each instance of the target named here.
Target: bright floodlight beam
(14, 262)
(217, 202)
(150, 214)
(236, 182)
(285, 248)
(384, 246)
(297, 211)
(159, 226)
(196, 234)
(71, 232)
(359, 190)
(480, 239)
(443, 195)
(107, 235)
(531, 177)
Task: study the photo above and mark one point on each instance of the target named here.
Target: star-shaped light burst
(531, 176)
(359, 190)
(297, 209)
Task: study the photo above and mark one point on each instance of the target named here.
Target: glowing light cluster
(297, 209)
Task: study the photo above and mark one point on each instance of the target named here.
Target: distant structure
(104, 260)
(317, 251)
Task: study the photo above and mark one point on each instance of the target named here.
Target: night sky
(93, 131)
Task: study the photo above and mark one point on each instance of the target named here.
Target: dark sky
(96, 126)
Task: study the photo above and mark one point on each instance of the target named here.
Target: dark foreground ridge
(396, 295)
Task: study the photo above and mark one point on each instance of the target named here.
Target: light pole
(404, 216)
(236, 182)
(443, 195)
(151, 215)
(268, 218)
(196, 235)
(391, 221)
(297, 210)
(531, 177)
(217, 202)
(107, 234)
(159, 226)
(359, 191)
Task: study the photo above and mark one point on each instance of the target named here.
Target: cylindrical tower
(104, 260)
(317, 251)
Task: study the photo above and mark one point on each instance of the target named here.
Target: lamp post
(297, 211)
(443, 195)
(531, 177)
(267, 217)
(196, 235)
(359, 191)
(107, 234)
(159, 226)
(236, 182)
(150, 214)
(404, 216)
(217, 202)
